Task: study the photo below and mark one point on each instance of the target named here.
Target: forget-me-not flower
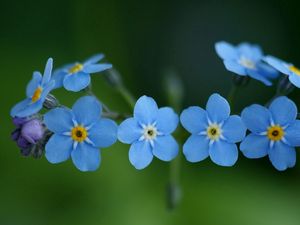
(246, 60)
(37, 90)
(213, 132)
(79, 133)
(76, 76)
(149, 133)
(288, 69)
(274, 132)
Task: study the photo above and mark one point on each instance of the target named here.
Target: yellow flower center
(79, 134)
(213, 132)
(275, 133)
(247, 63)
(37, 94)
(295, 70)
(76, 68)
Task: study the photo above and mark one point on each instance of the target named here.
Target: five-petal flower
(76, 76)
(149, 133)
(79, 133)
(246, 60)
(214, 132)
(37, 90)
(274, 132)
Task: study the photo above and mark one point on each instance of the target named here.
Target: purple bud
(32, 131)
(16, 134)
(23, 143)
(19, 121)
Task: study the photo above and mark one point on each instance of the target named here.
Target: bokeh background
(143, 39)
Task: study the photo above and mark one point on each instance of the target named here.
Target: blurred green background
(142, 39)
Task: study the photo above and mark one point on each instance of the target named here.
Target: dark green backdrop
(142, 39)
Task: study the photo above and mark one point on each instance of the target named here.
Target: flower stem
(126, 94)
(231, 95)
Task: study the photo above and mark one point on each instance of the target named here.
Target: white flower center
(149, 133)
(214, 132)
(247, 63)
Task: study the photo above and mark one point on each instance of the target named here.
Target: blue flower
(274, 132)
(245, 60)
(79, 133)
(76, 76)
(286, 68)
(214, 132)
(149, 133)
(37, 90)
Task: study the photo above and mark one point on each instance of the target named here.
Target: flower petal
(129, 131)
(250, 51)
(140, 154)
(76, 82)
(33, 84)
(234, 129)
(235, 67)
(145, 110)
(256, 118)
(59, 76)
(257, 75)
(278, 64)
(283, 110)
(94, 59)
(255, 146)
(194, 119)
(226, 50)
(223, 153)
(87, 110)
(47, 72)
(25, 108)
(96, 68)
(295, 80)
(86, 157)
(282, 156)
(195, 148)
(59, 120)
(58, 148)
(217, 108)
(267, 71)
(165, 148)
(292, 134)
(167, 120)
(103, 133)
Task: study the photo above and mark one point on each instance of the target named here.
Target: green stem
(125, 93)
(231, 95)
(173, 189)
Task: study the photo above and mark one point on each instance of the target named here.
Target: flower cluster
(82, 131)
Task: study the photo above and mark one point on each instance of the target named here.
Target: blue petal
(195, 148)
(250, 51)
(226, 51)
(76, 82)
(46, 89)
(33, 84)
(87, 110)
(295, 80)
(25, 108)
(234, 129)
(47, 72)
(58, 77)
(129, 131)
(94, 59)
(165, 148)
(145, 110)
(278, 64)
(256, 118)
(283, 110)
(194, 119)
(255, 146)
(292, 134)
(223, 153)
(59, 120)
(103, 133)
(217, 108)
(235, 67)
(257, 75)
(58, 148)
(167, 120)
(96, 68)
(140, 154)
(282, 156)
(86, 157)
(267, 71)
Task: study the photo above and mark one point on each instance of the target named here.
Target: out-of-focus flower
(37, 90)
(214, 132)
(79, 133)
(76, 76)
(288, 69)
(274, 132)
(246, 60)
(149, 133)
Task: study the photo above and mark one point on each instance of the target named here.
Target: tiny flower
(274, 132)
(79, 133)
(214, 132)
(37, 90)
(288, 69)
(149, 133)
(75, 77)
(245, 60)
